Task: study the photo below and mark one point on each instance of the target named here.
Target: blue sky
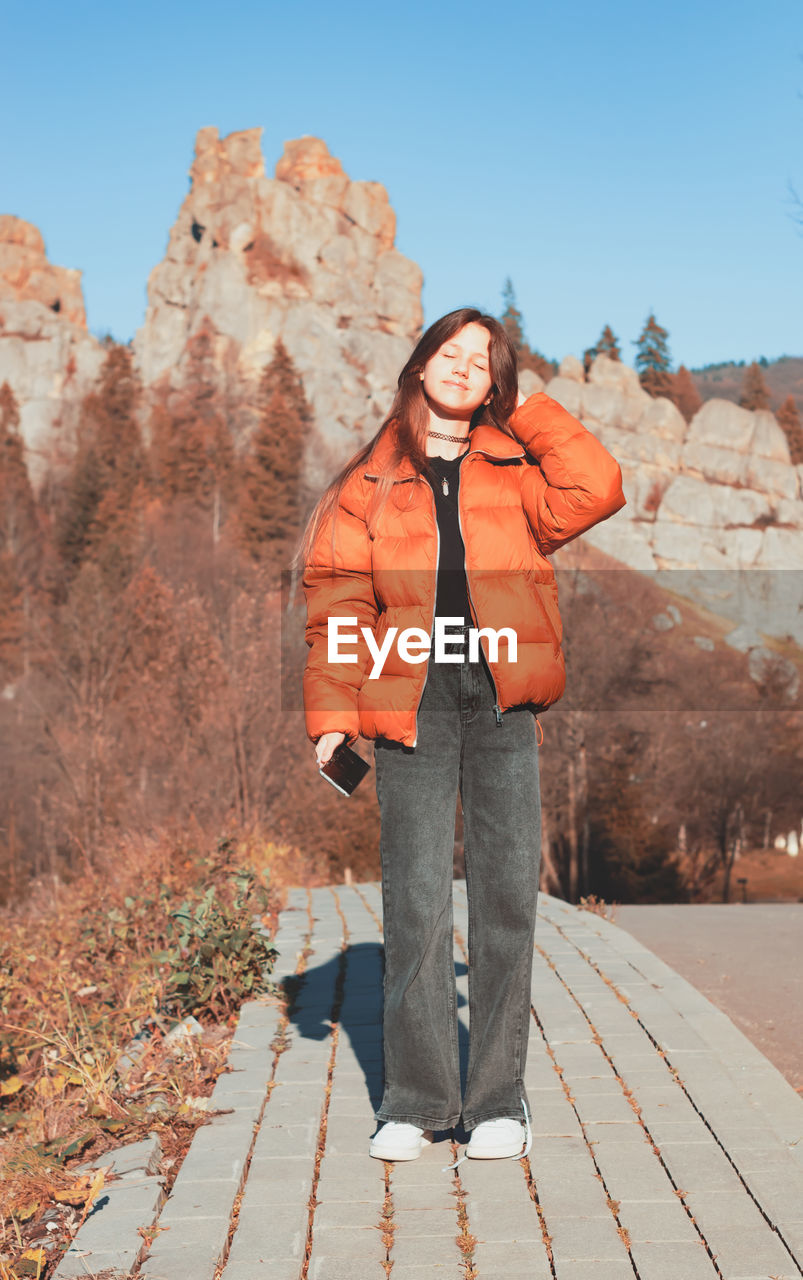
(611, 159)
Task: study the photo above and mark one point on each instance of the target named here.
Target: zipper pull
(445, 487)
(498, 713)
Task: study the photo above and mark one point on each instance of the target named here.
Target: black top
(452, 592)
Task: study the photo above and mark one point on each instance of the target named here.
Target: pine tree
(19, 527)
(755, 392)
(789, 422)
(512, 322)
(511, 316)
(192, 454)
(652, 358)
(684, 393)
(270, 500)
(107, 478)
(608, 344)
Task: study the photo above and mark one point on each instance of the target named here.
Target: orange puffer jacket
(515, 508)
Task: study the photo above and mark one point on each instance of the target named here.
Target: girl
(449, 513)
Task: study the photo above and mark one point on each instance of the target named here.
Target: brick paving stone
(282, 1180)
(358, 1244)
(656, 1262)
(735, 1230)
(668, 1132)
(269, 1230)
(633, 1173)
(219, 1151)
(416, 1221)
(582, 1060)
(190, 1250)
(615, 1131)
(556, 1117)
(327, 1267)
(116, 1264)
(604, 1108)
(296, 1100)
(588, 1086)
(663, 1102)
(701, 1167)
(513, 1261)
(589, 1238)
(494, 1179)
(500, 1221)
(749, 1158)
(197, 1199)
(582, 1269)
(280, 1269)
(354, 1178)
(657, 1220)
(778, 1191)
(346, 1213)
(424, 1271)
(286, 1139)
(418, 1250)
(571, 1191)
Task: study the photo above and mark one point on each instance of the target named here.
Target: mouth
(461, 385)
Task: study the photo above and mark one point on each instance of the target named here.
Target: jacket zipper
(497, 708)
(434, 604)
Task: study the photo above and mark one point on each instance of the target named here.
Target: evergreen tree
(19, 527)
(755, 392)
(685, 394)
(652, 358)
(270, 503)
(191, 447)
(512, 321)
(789, 422)
(511, 316)
(107, 476)
(608, 344)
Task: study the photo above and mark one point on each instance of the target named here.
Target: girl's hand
(326, 745)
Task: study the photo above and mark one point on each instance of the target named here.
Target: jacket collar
(484, 438)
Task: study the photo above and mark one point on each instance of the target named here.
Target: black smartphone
(344, 769)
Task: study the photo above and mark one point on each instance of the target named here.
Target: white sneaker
(497, 1139)
(399, 1141)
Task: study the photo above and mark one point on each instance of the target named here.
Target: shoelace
(528, 1134)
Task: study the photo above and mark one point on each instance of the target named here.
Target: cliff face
(704, 499)
(46, 354)
(306, 256)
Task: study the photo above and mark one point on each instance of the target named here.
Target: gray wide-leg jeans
(494, 766)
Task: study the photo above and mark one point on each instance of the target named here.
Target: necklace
(453, 465)
(441, 436)
(457, 440)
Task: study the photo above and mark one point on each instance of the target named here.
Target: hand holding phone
(326, 746)
(344, 769)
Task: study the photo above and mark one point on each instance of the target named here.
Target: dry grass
(88, 973)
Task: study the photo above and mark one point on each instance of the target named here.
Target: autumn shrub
(93, 977)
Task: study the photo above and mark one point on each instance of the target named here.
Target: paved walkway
(666, 1147)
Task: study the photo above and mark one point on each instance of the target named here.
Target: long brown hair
(410, 414)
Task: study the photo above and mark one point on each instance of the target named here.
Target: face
(457, 379)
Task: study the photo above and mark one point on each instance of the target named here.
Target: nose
(460, 366)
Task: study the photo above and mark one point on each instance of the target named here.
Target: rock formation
(306, 256)
(704, 499)
(46, 354)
